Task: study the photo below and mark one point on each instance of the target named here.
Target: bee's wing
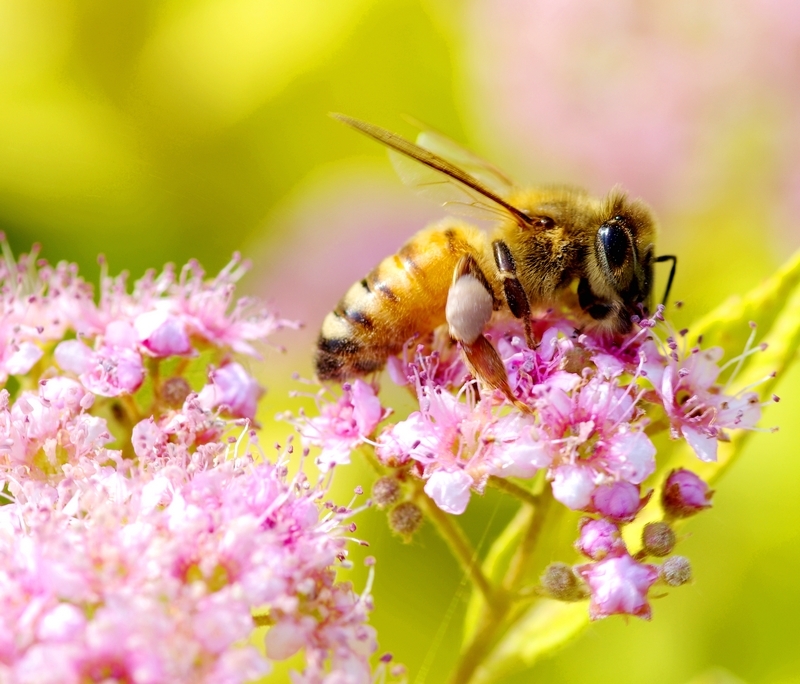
(454, 188)
(441, 145)
(441, 188)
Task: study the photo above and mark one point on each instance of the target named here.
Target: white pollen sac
(469, 308)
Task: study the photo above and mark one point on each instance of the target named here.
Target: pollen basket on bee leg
(469, 308)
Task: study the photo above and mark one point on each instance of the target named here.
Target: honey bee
(452, 272)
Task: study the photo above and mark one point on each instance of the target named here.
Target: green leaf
(726, 325)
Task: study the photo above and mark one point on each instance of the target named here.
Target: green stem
(502, 615)
(459, 544)
(520, 563)
(484, 640)
(515, 490)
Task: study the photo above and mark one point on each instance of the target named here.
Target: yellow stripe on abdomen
(404, 295)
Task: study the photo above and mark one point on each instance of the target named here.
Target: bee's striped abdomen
(404, 295)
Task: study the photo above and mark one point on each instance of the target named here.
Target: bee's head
(619, 265)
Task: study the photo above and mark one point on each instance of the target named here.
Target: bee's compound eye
(613, 240)
(544, 222)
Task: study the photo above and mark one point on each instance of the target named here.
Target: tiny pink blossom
(74, 356)
(573, 486)
(61, 623)
(699, 412)
(232, 388)
(619, 585)
(631, 456)
(287, 637)
(342, 426)
(144, 564)
(518, 450)
(449, 490)
(21, 358)
(65, 394)
(109, 371)
(367, 409)
(618, 501)
(599, 538)
(147, 438)
(162, 334)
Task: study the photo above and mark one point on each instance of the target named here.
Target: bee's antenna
(674, 260)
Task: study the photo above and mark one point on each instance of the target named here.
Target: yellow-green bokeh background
(163, 131)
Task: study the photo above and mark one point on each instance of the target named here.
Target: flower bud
(386, 491)
(598, 538)
(685, 494)
(619, 585)
(162, 334)
(233, 388)
(618, 501)
(405, 519)
(174, 392)
(658, 539)
(675, 571)
(560, 582)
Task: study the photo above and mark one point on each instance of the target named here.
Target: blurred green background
(163, 131)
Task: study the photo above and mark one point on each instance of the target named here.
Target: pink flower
(590, 431)
(573, 485)
(232, 388)
(342, 426)
(208, 310)
(114, 368)
(516, 447)
(162, 334)
(631, 456)
(145, 564)
(459, 444)
(449, 490)
(619, 585)
(599, 538)
(19, 359)
(698, 410)
(618, 501)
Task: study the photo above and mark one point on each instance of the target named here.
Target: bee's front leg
(515, 295)
(470, 304)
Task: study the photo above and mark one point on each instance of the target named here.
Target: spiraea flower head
(586, 405)
(142, 524)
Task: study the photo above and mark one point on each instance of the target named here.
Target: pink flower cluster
(592, 403)
(144, 535)
(107, 344)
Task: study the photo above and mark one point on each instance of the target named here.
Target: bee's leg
(515, 296)
(470, 304)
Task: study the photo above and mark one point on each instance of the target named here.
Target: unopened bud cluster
(617, 581)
